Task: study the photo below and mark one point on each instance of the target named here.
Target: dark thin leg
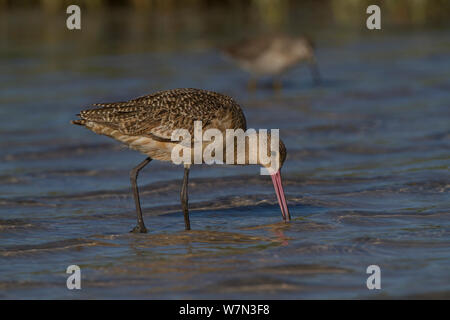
(277, 84)
(133, 177)
(184, 199)
(315, 74)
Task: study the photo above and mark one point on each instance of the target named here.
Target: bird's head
(304, 49)
(267, 150)
(301, 47)
(275, 173)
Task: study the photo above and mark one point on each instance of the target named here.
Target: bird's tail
(80, 122)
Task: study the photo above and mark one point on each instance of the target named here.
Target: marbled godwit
(272, 55)
(146, 125)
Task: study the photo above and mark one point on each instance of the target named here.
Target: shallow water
(366, 176)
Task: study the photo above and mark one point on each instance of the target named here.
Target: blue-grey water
(366, 177)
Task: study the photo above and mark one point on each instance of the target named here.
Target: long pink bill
(278, 185)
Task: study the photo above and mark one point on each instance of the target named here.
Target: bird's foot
(139, 229)
(277, 85)
(252, 84)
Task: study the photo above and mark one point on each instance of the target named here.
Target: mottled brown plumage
(146, 123)
(162, 112)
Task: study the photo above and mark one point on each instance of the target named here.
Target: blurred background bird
(273, 55)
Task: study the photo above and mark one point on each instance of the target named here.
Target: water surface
(366, 176)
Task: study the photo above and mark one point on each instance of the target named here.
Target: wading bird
(272, 55)
(146, 124)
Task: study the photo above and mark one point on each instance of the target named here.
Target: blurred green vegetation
(271, 11)
(130, 26)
